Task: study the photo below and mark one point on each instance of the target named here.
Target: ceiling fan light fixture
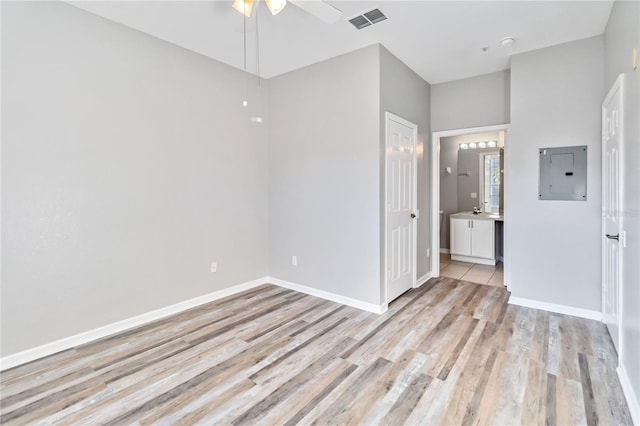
(276, 6)
(243, 6)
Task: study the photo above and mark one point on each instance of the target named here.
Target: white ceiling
(440, 40)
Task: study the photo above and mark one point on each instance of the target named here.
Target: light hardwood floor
(449, 352)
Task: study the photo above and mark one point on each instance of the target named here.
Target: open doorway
(469, 225)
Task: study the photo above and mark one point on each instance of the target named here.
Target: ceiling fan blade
(320, 9)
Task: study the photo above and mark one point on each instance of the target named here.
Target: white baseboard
(443, 250)
(560, 309)
(423, 279)
(471, 259)
(629, 394)
(51, 348)
(365, 306)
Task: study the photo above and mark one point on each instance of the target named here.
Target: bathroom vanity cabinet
(473, 238)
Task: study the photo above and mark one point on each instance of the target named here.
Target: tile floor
(471, 272)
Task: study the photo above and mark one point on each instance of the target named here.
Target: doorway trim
(435, 195)
(387, 117)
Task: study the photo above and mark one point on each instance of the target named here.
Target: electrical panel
(563, 173)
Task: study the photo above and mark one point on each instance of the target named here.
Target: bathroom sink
(472, 215)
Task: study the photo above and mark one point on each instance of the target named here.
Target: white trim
(560, 309)
(629, 394)
(472, 259)
(32, 354)
(365, 306)
(445, 251)
(51, 348)
(387, 117)
(422, 280)
(435, 192)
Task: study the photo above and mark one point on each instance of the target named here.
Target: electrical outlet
(214, 266)
(474, 195)
(294, 260)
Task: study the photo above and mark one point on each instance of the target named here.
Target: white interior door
(611, 209)
(400, 201)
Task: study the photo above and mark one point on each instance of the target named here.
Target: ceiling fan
(318, 8)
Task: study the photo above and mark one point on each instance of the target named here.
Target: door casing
(435, 195)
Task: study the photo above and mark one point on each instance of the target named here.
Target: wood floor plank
(608, 396)
(357, 400)
(448, 352)
(570, 408)
(551, 401)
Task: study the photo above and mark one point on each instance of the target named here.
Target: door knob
(613, 237)
(413, 215)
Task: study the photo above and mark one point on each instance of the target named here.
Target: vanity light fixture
(245, 6)
(276, 6)
(464, 146)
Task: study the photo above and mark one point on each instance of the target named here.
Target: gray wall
(471, 102)
(324, 175)
(127, 167)
(406, 94)
(448, 186)
(621, 36)
(556, 95)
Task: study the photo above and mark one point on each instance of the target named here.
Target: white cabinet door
(482, 239)
(461, 237)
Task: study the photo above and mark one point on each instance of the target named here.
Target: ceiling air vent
(360, 22)
(369, 18)
(375, 16)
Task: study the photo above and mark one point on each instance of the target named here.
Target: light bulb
(492, 144)
(464, 146)
(472, 145)
(243, 6)
(276, 6)
(245, 103)
(482, 145)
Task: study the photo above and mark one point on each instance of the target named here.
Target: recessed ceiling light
(507, 42)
